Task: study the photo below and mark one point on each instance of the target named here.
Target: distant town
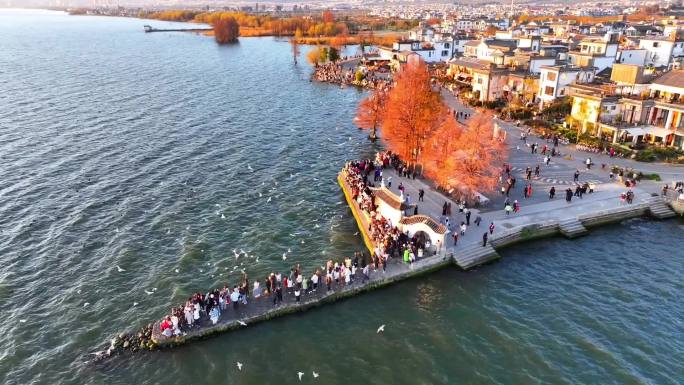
(610, 72)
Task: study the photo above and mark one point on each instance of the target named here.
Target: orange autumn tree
(226, 30)
(412, 112)
(370, 113)
(442, 145)
(474, 162)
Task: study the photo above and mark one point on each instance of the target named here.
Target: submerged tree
(295, 48)
(370, 112)
(226, 30)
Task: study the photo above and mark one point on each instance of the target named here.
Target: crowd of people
(610, 151)
(337, 73)
(205, 309)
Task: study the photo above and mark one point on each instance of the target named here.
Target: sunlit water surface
(124, 148)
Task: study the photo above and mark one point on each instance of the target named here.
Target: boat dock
(148, 29)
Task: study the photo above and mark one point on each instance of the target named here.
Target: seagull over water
(249, 167)
(149, 292)
(381, 329)
(119, 269)
(239, 365)
(315, 375)
(300, 374)
(243, 323)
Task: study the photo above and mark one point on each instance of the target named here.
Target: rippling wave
(121, 148)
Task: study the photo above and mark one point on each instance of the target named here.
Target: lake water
(132, 149)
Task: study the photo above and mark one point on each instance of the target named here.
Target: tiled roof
(390, 198)
(674, 78)
(431, 223)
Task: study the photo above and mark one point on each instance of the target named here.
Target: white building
(663, 51)
(554, 81)
(599, 53)
(631, 56)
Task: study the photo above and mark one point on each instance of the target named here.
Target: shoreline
(469, 255)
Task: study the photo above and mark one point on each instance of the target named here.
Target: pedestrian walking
(552, 192)
(467, 216)
(421, 193)
(491, 228)
(484, 239)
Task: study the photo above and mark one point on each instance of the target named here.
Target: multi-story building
(554, 81)
(663, 51)
(595, 52)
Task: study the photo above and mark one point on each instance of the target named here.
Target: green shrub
(653, 177)
(359, 76)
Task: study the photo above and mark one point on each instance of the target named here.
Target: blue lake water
(132, 149)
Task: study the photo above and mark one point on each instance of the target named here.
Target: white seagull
(86, 304)
(268, 200)
(149, 292)
(381, 329)
(243, 323)
(315, 375)
(284, 256)
(300, 374)
(119, 269)
(239, 365)
(249, 167)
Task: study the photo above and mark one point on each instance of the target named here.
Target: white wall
(632, 56)
(659, 51)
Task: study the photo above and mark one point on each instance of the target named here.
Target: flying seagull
(300, 374)
(242, 323)
(381, 329)
(119, 269)
(149, 292)
(239, 365)
(315, 375)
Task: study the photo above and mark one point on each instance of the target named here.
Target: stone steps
(473, 255)
(572, 228)
(660, 210)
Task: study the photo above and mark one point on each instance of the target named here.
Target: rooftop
(674, 78)
(431, 223)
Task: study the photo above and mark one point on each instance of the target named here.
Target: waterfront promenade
(539, 220)
(539, 217)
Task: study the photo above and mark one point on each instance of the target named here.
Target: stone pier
(548, 219)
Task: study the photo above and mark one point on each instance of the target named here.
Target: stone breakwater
(468, 256)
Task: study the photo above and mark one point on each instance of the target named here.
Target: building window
(655, 44)
(445, 53)
(549, 91)
(551, 76)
